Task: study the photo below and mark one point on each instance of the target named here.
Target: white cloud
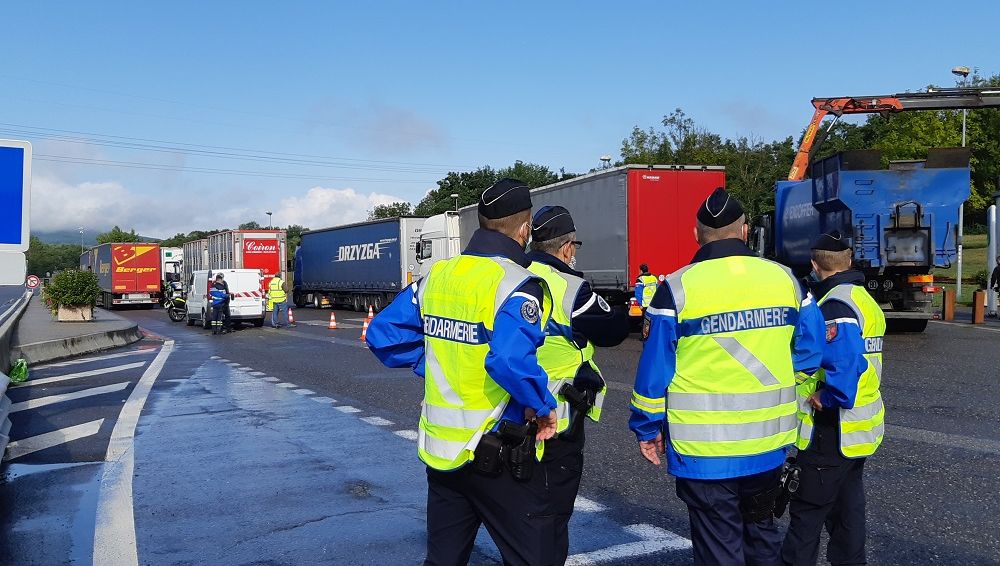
(321, 207)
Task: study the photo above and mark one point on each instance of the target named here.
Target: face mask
(572, 262)
(813, 276)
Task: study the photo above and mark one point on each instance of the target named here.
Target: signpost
(15, 197)
(32, 281)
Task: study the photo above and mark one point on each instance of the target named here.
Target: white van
(245, 286)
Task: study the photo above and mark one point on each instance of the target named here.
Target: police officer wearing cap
(715, 388)
(645, 286)
(471, 328)
(841, 413)
(580, 321)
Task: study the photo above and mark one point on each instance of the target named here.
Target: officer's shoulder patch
(604, 304)
(529, 311)
(831, 331)
(645, 327)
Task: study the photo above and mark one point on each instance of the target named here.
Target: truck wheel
(205, 323)
(317, 301)
(190, 321)
(299, 300)
(356, 305)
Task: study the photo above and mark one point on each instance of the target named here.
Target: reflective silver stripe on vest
(877, 362)
(573, 284)
(513, 277)
(676, 288)
(843, 293)
(748, 360)
(805, 430)
(562, 407)
(433, 367)
(862, 413)
(795, 283)
(863, 436)
(439, 448)
(732, 431)
(730, 401)
(455, 417)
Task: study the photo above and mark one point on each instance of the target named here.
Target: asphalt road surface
(932, 488)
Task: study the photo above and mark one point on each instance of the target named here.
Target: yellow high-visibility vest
(649, 283)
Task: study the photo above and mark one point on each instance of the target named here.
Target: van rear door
(248, 299)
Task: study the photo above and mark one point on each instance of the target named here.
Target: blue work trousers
(276, 313)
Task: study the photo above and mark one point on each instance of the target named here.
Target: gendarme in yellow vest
(733, 391)
(559, 356)
(863, 426)
(459, 300)
(649, 283)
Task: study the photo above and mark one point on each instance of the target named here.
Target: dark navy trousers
(832, 496)
(719, 534)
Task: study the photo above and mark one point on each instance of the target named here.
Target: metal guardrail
(8, 321)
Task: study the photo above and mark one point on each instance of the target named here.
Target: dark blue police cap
(505, 198)
(551, 222)
(832, 242)
(720, 209)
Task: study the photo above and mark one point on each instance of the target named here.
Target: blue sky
(344, 105)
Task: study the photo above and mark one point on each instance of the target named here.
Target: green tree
(45, 258)
(293, 236)
(118, 236)
(469, 185)
(252, 225)
(391, 210)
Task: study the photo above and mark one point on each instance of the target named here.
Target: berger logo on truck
(360, 252)
(121, 255)
(260, 246)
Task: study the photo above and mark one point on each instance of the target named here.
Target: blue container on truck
(902, 222)
(356, 265)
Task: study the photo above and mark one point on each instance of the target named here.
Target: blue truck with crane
(902, 221)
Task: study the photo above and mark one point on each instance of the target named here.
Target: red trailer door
(661, 215)
(135, 268)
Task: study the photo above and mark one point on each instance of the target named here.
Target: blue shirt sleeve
(513, 361)
(810, 335)
(638, 292)
(396, 335)
(656, 366)
(843, 357)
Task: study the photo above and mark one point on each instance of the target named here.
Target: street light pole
(455, 196)
(961, 71)
(269, 225)
(82, 248)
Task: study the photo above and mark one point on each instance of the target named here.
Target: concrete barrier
(8, 321)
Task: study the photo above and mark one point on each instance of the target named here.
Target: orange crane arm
(937, 99)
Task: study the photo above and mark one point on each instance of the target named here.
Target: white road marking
(213, 357)
(287, 385)
(304, 391)
(257, 373)
(223, 360)
(244, 368)
(407, 434)
(325, 400)
(271, 379)
(654, 539)
(588, 506)
(94, 359)
(942, 439)
(18, 448)
(233, 364)
(52, 399)
(377, 421)
(968, 325)
(68, 376)
(114, 533)
(347, 409)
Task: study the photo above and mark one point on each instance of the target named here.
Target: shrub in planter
(72, 294)
(982, 278)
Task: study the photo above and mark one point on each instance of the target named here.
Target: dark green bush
(72, 287)
(982, 278)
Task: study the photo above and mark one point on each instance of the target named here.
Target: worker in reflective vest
(645, 286)
(278, 301)
(841, 413)
(471, 328)
(580, 321)
(715, 388)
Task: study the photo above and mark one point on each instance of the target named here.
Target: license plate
(137, 296)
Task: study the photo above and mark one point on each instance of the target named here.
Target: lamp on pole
(82, 247)
(268, 213)
(605, 162)
(455, 196)
(961, 71)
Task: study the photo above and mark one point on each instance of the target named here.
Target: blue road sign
(15, 195)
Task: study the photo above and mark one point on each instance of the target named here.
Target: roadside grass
(973, 260)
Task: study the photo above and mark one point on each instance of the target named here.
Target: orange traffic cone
(364, 331)
(371, 313)
(333, 321)
(291, 317)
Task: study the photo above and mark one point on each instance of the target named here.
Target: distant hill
(73, 237)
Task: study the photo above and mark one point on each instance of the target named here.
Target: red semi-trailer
(625, 217)
(249, 249)
(129, 274)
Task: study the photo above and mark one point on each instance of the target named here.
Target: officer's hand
(815, 401)
(547, 426)
(651, 449)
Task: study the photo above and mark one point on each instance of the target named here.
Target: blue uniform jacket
(659, 360)
(396, 335)
(219, 296)
(639, 286)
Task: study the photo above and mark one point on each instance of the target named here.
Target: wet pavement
(294, 446)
